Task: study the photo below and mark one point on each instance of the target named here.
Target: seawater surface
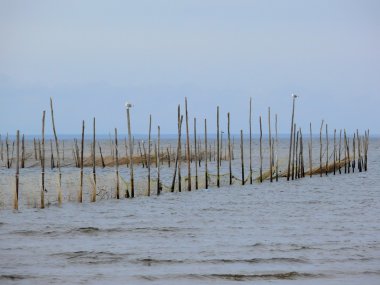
(308, 231)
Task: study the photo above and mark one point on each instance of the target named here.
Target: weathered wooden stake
(58, 156)
(15, 200)
(180, 117)
(291, 138)
(218, 148)
(276, 153)
(188, 149)
(320, 149)
(132, 181)
(22, 152)
(242, 157)
(250, 143)
(206, 170)
(117, 166)
(43, 163)
(149, 151)
(311, 153)
(229, 148)
(158, 162)
(340, 150)
(80, 198)
(294, 150)
(93, 196)
(195, 153)
(297, 155)
(327, 151)
(334, 164)
(270, 148)
(261, 151)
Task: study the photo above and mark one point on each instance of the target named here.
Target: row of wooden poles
(296, 166)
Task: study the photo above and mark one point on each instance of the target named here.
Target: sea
(314, 230)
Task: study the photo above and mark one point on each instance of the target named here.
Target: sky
(93, 56)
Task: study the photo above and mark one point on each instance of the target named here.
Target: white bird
(128, 105)
(294, 95)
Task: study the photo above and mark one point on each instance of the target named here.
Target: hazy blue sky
(92, 56)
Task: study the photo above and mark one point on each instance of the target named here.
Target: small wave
(91, 257)
(270, 276)
(153, 261)
(293, 275)
(14, 277)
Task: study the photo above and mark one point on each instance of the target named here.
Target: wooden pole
(51, 155)
(188, 149)
(311, 153)
(15, 205)
(158, 162)
(58, 156)
(130, 154)
(242, 157)
(180, 117)
(261, 151)
(206, 170)
(296, 154)
(270, 148)
(22, 152)
(320, 149)
(218, 148)
(229, 148)
(276, 154)
(340, 150)
(327, 151)
(195, 153)
(35, 149)
(80, 198)
(291, 138)
(345, 151)
(43, 162)
(149, 151)
(93, 196)
(250, 142)
(354, 153)
(334, 164)
(117, 166)
(359, 153)
(294, 149)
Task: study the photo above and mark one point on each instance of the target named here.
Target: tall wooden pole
(117, 166)
(58, 156)
(270, 148)
(15, 200)
(311, 153)
(327, 150)
(250, 141)
(206, 158)
(180, 117)
(229, 148)
(195, 153)
(149, 151)
(276, 153)
(93, 196)
(291, 138)
(132, 181)
(158, 162)
(218, 148)
(80, 198)
(261, 151)
(43, 162)
(320, 149)
(242, 157)
(188, 149)
(334, 164)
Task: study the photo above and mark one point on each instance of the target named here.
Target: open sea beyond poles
(307, 231)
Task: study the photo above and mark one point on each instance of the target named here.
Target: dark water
(309, 231)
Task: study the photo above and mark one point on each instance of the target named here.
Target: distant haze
(92, 56)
